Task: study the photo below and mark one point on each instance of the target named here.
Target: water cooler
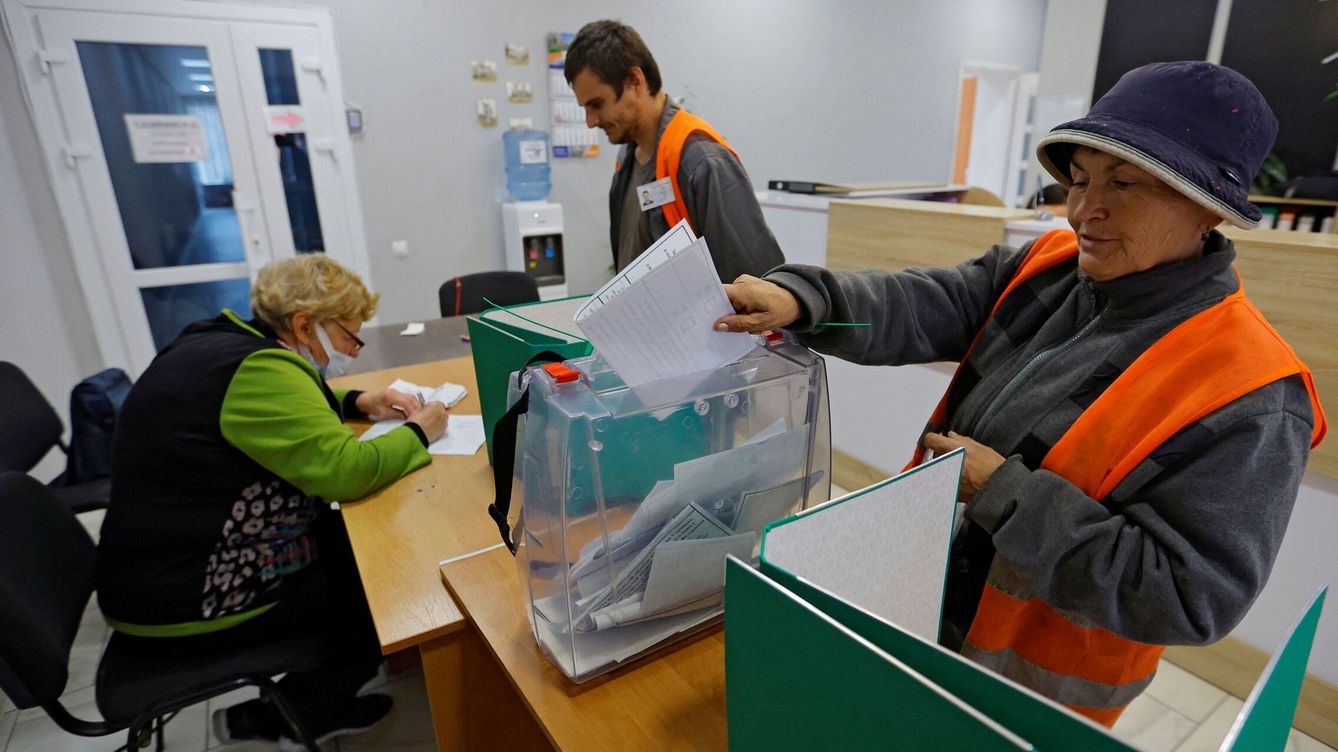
(532, 227)
(533, 234)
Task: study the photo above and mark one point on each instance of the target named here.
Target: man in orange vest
(1135, 430)
(673, 165)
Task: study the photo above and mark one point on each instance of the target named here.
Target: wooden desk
(508, 696)
(401, 533)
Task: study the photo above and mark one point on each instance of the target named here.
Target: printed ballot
(655, 319)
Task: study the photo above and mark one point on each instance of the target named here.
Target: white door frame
(100, 204)
(35, 63)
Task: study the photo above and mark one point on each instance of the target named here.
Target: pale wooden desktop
(510, 697)
(400, 535)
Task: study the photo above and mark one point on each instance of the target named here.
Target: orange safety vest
(670, 151)
(1209, 360)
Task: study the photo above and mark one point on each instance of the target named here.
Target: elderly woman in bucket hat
(1135, 430)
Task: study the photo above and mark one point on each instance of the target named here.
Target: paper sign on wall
(286, 118)
(166, 138)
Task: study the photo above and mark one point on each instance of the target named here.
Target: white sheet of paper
(686, 570)
(759, 508)
(447, 394)
(885, 548)
(661, 326)
(413, 329)
(680, 236)
(464, 434)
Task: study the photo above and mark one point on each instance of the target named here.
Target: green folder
(797, 679)
(804, 663)
(503, 342)
(1266, 719)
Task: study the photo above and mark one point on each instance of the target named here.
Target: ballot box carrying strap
(504, 451)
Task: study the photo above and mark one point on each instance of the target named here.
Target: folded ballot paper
(655, 319)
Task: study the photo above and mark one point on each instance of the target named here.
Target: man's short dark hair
(611, 49)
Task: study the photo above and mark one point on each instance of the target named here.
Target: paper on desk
(662, 325)
(464, 434)
(447, 394)
(412, 329)
(680, 236)
(688, 570)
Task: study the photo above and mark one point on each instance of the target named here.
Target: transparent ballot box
(633, 496)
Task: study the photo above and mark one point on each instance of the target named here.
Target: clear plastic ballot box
(633, 497)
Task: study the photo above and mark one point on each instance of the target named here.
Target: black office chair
(30, 428)
(464, 294)
(46, 578)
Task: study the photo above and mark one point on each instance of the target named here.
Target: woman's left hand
(388, 403)
(981, 461)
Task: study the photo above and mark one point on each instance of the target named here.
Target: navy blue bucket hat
(1201, 128)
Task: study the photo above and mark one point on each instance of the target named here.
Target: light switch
(400, 248)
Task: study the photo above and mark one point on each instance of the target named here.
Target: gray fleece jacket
(1182, 546)
(721, 205)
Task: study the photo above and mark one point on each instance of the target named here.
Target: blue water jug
(527, 164)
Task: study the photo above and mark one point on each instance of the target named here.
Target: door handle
(257, 256)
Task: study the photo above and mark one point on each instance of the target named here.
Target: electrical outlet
(400, 248)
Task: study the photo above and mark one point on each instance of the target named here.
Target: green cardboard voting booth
(505, 340)
(816, 657)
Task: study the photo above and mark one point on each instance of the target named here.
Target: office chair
(31, 428)
(42, 600)
(461, 295)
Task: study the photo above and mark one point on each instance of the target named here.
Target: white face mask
(338, 363)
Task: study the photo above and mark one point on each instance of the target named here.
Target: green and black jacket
(224, 449)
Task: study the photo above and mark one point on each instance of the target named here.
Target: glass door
(157, 134)
(286, 84)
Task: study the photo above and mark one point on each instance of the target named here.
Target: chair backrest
(46, 578)
(29, 426)
(465, 294)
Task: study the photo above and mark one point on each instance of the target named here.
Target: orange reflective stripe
(1182, 377)
(670, 152)
(1049, 250)
(1047, 639)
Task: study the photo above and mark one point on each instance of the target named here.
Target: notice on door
(166, 138)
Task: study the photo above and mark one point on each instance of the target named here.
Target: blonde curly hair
(312, 283)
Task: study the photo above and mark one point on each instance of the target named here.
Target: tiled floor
(1178, 713)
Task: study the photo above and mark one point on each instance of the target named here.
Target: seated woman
(1135, 431)
(228, 451)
